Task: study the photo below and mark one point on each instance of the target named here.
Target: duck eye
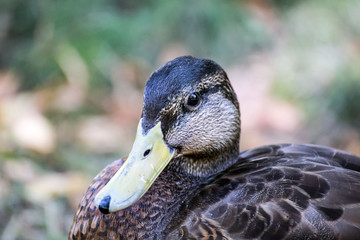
(192, 101)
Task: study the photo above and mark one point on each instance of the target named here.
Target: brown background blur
(72, 75)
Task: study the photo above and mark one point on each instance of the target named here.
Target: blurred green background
(72, 75)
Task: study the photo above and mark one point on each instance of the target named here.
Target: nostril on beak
(146, 153)
(104, 205)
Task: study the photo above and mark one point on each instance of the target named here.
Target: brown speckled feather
(149, 218)
(89, 223)
(272, 192)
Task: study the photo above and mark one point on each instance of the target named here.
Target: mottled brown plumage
(209, 190)
(137, 221)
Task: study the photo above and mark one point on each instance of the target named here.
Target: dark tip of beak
(104, 205)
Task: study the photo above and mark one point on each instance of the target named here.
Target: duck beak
(148, 158)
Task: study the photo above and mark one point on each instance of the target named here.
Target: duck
(185, 177)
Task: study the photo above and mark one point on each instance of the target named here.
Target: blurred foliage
(284, 5)
(344, 95)
(39, 33)
(317, 67)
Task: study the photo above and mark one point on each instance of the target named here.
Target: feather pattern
(272, 192)
(280, 192)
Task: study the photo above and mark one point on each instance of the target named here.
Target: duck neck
(206, 165)
(164, 196)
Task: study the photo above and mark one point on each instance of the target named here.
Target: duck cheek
(207, 130)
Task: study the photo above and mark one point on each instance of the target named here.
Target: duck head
(190, 123)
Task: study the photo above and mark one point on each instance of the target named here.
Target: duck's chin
(202, 164)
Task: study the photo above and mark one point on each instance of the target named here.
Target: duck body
(273, 192)
(207, 189)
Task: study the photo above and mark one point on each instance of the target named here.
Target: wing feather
(280, 192)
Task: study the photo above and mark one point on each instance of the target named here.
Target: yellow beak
(147, 159)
